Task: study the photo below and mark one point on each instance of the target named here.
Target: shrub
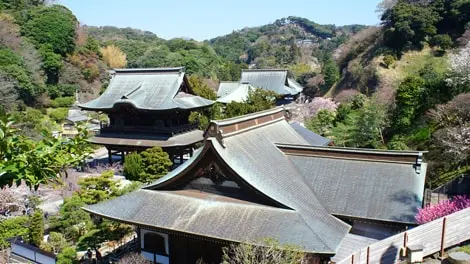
(389, 60)
(155, 162)
(442, 41)
(11, 227)
(133, 167)
(443, 208)
(63, 102)
(91, 72)
(58, 114)
(67, 256)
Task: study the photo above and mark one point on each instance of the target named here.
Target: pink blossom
(441, 209)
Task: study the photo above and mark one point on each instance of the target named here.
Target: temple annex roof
(296, 191)
(272, 80)
(148, 89)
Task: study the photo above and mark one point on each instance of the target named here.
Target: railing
(434, 237)
(149, 129)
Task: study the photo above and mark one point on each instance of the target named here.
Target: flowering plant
(441, 209)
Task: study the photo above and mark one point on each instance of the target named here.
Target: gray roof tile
(148, 89)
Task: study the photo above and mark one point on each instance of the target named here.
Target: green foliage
(36, 162)
(407, 25)
(37, 227)
(331, 72)
(397, 143)
(443, 41)
(408, 102)
(96, 189)
(62, 90)
(56, 242)
(133, 167)
(12, 227)
(72, 221)
(58, 114)
(52, 63)
(257, 100)
(200, 88)
(12, 65)
(155, 162)
(389, 60)
(68, 255)
(322, 122)
(52, 26)
(63, 102)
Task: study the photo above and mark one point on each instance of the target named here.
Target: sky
(206, 19)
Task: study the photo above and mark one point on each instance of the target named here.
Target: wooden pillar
(191, 152)
(123, 156)
(368, 255)
(181, 159)
(352, 259)
(443, 236)
(110, 156)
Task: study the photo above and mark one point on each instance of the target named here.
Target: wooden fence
(434, 236)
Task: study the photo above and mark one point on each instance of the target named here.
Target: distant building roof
(226, 88)
(311, 137)
(76, 115)
(240, 94)
(272, 80)
(148, 89)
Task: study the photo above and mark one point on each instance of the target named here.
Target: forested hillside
(405, 85)
(402, 85)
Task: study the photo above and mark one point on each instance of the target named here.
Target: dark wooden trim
(352, 155)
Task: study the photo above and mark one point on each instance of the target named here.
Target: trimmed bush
(133, 167)
(63, 102)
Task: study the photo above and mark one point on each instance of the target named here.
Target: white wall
(28, 253)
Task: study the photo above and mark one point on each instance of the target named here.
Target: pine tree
(37, 228)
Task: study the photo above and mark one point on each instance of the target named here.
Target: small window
(154, 243)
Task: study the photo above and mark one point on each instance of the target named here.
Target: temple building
(255, 177)
(274, 80)
(147, 108)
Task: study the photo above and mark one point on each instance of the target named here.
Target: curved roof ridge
(233, 120)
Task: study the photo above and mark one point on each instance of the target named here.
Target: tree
(200, 88)
(37, 162)
(12, 227)
(155, 162)
(133, 166)
(443, 41)
(8, 94)
(68, 255)
(96, 189)
(408, 101)
(322, 122)
(459, 78)
(407, 25)
(53, 26)
(37, 228)
(113, 56)
(265, 252)
(331, 72)
(56, 241)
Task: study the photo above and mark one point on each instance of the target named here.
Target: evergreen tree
(37, 228)
(155, 162)
(331, 72)
(133, 166)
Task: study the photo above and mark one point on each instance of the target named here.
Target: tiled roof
(369, 184)
(148, 89)
(311, 137)
(239, 95)
(209, 215)
(272, 80)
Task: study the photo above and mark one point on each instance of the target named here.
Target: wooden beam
(443, 236)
